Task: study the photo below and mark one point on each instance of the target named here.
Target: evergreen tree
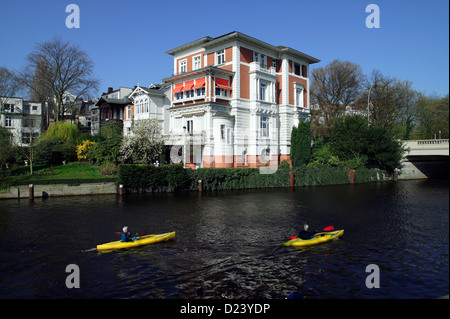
(301, 144)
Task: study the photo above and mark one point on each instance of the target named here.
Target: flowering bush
(84, 148)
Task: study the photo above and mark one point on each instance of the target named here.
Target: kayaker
(127, 236)
(305, 233)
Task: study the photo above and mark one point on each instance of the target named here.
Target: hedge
(143, 178)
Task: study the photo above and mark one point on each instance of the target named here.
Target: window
(200, 92)
(262, 91)
(274, 63)
(8, 121)
(220, 57)
(221, 92)
(35, 108)
(129, 112)
(222, 132)
(261, 59)
(264, 126)
(197, 62)
(299, 97)
(183, 66)
(190, 126)
(297, 69)
(304, 71)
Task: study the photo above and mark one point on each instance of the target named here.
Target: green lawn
(71, 170)
(71, 173)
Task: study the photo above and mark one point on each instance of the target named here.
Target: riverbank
(170, 178)
(52, 190)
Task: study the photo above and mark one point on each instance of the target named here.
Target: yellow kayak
(143, 240)
(317, 239)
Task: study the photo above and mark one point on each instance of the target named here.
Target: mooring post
(200, 185)
(396, 175)
(291, 179)
(351, 176)
(31, 191)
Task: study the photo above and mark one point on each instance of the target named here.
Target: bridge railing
(431, 142)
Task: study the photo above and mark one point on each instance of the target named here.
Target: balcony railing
(256, 66)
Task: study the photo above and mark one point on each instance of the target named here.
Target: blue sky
(127, 40)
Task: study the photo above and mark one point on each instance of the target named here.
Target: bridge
(425, 159)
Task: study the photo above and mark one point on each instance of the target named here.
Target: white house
(22, 118)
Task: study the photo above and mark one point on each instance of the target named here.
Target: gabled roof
(151, 90)
(122, 101)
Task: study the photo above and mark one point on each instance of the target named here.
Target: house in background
(22, 118)
(147, 103)
(236, 99)
(110, 107)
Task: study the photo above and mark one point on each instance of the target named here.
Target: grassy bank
(71, 173)
(169, 178)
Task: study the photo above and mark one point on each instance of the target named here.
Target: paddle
(328, 228)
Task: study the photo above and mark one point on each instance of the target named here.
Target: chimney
(110, 89)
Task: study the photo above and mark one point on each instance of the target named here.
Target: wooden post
(351, 176)
(31, 191)
(200, 185)
(291, 179)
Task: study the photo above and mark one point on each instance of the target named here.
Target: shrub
(105, 151)
(49, 152)
(108, 169)
(84, 148)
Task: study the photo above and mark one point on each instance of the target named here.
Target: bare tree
(391, 103)
(59, 67)
(333, 88)
(9, 85)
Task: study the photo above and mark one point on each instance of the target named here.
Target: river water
(231, 243)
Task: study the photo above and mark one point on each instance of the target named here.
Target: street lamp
(368, 105)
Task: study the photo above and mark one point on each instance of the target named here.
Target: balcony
(257, 67)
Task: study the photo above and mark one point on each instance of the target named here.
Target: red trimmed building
(234, 100)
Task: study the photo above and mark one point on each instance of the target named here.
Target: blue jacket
(127, 237)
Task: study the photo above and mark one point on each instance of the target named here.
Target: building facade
(234, 100)
(147, 103)
(22, 118)
(110, 108)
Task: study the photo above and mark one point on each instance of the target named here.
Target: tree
(59, 67)
(431, 116)
(6, 147)
(66, 131)
(145, 145)
(9, 85)
(391, 103)
(301, 144)
(333, 88)
(353, 140)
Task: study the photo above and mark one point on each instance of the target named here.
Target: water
(231, 243)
